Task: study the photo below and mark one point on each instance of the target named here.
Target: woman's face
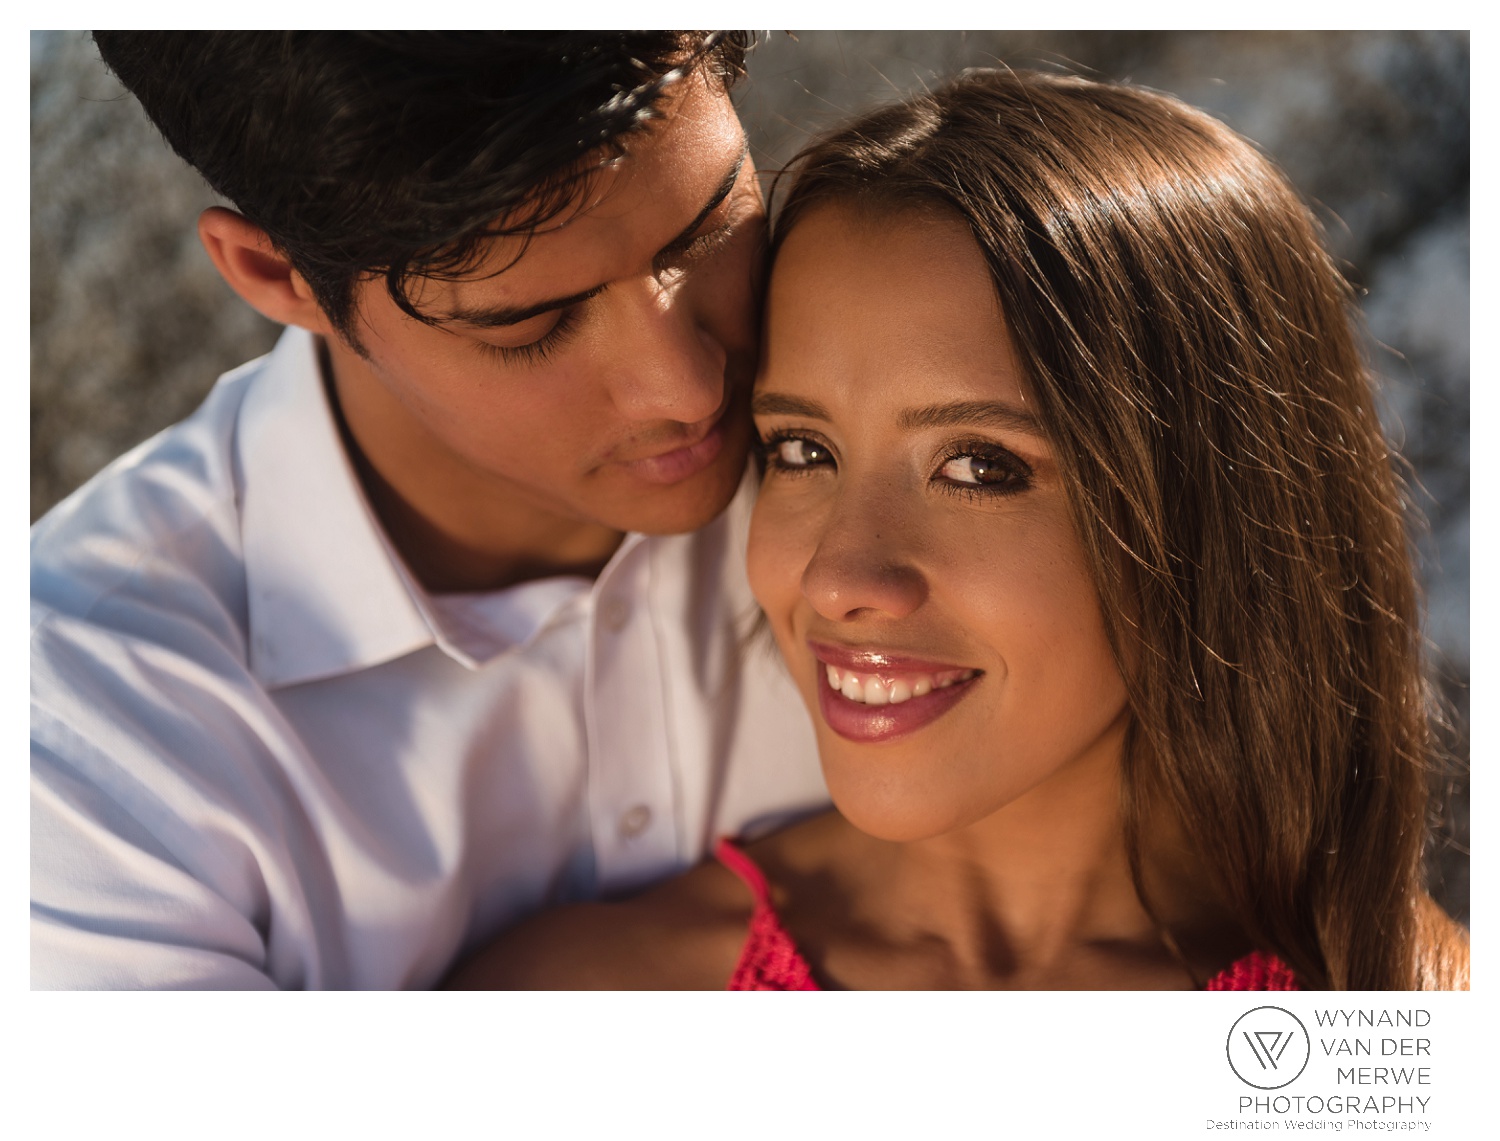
(912, 544)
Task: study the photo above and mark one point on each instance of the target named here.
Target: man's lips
(870, 695)
(682, 461)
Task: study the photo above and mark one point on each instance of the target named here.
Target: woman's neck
(1036, 896)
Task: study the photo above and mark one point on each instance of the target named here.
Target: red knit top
(771, 961)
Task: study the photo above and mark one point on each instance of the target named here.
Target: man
(402, 635)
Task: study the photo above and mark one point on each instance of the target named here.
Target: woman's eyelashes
(984, 469)
(539, 350)
(968, 468)
(791, 453)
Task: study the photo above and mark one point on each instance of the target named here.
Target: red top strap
(769, 960)
(749, 872)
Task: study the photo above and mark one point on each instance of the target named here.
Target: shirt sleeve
(113, 909)
(143, 875)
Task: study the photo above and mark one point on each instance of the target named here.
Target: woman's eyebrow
(778, 404)
(976, 413)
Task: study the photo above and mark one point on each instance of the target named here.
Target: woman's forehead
(902, 312)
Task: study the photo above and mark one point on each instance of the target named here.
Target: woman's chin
(895, 818)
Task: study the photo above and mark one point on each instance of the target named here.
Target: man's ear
(256, 271)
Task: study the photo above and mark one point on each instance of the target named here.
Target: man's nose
(670, 366)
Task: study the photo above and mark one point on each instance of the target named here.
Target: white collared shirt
(263, 756)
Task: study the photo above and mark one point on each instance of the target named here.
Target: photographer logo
(1268, 1047)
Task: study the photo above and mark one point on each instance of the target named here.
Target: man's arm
(113, 908)
(140, 876)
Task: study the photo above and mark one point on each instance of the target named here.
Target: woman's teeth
(868, 689)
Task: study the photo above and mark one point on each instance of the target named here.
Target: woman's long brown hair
(1191, 349)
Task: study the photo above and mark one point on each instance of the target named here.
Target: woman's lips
(871, 696)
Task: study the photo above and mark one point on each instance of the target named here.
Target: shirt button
(614, 612)
(634, 822)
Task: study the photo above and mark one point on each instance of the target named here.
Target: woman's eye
(799, 453)
(794, 454)
(983, 471)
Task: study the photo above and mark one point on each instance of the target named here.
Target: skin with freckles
(912, 533)
(586, 381)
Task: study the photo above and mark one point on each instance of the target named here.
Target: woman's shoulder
(685, 934)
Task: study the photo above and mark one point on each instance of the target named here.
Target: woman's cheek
(772, 561)
(783, 537)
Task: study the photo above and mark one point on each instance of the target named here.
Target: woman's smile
(874, 695)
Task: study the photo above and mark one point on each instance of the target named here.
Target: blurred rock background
(130, 324)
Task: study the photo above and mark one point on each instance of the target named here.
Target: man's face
(602, 377)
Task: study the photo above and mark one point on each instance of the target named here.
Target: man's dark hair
(395, 153)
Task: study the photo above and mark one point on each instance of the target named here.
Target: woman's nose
(861, 567)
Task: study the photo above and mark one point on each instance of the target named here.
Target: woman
(1080, 537)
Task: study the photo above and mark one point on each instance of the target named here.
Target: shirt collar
(328, 594)
(325, 596)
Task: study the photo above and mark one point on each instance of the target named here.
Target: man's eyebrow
(776, 404)
(976, 413)
(501, 316)
(721, 192)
